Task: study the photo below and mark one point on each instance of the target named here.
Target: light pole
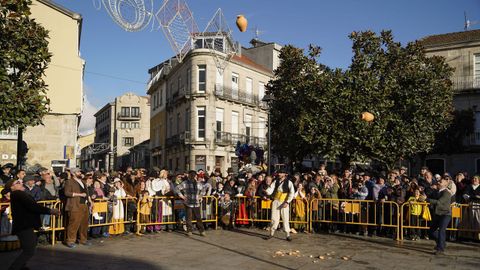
(268, 99)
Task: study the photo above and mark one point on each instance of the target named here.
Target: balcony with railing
(173, 140)
(184, 138)
(128, 116)
(474, 138)
(223, 138)
(178, 95)
(462, 83)
(237, 95)
(9, 133)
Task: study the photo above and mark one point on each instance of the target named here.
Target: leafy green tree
(317, 109)
(288, 91)
(409, 93)
(24, 58)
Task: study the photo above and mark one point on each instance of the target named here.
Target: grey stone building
(462, 52)
(119, 126)
(200, 112)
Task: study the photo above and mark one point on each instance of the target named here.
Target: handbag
(426, 213)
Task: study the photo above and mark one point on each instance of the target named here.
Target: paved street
(246, 249)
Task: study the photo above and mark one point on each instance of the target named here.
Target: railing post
(399, 218)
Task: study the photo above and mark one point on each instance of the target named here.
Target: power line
(101, 74)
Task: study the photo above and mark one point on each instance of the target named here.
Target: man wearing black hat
(26, 217)
(283, 193)
(191, 192)
(77, 209)
(6, 173)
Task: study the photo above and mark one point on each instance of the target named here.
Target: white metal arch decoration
(131, 15)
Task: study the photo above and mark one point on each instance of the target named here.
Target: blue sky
(123, 58)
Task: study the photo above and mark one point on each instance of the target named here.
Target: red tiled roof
(449, 38)
(249, 62)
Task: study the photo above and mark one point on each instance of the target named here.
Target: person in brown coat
(76, 207)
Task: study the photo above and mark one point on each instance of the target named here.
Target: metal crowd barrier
(111, 216)
(355, 212)
(209, 210)
(154, 212)
(458, 222)
(107, 216)
(48, 224)
(257, 210)
(8, 241)
(162, 211)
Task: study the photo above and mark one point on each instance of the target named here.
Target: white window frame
(261, 91)
(249, 89)
(200, 69)
(234, 126)
(9, 133)
(204, 116)
(476, 70)
(219, 82)
(247, 121)
(235, 82)
(262, 127)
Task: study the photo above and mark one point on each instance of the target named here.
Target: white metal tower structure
(218, 27)
(178, 25)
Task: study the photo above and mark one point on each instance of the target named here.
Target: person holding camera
(25, 219)
(283, 193)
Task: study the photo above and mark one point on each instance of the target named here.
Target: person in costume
(283, 193)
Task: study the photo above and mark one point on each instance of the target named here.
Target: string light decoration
(222, 46)
(178, 25)
(131, 15)
(177, 22)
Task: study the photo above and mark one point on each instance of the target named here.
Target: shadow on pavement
(239, 252)
(51, 259)
(250, 233)
(425, 247)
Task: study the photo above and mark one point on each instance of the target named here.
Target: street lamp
(268, 99)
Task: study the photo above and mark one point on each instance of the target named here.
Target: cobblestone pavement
(246, 249)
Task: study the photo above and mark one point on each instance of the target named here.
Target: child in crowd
(145, 210)
(415, 211)
(100, 208)
(227, 211)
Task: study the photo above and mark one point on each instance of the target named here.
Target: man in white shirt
(283, 194)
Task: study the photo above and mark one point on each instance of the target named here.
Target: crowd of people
(79, 189)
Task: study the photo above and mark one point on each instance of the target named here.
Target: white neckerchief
(475, 186)
(80, 182)
(165, 185)
(120, 193)
(156, 184)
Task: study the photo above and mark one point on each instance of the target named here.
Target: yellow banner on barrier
(353, 208)
(266, 204)
(456, 212)
(100, 207)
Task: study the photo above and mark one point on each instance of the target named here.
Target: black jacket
(25, 211)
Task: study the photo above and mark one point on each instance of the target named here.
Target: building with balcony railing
(461, 51)
(119, 126)
(200, 111)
